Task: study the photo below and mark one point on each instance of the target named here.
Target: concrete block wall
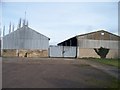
(87, 53)
(113, 53)
(90, 52)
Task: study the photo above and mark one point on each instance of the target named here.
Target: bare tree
(3, 31)
(10, 28)
(19, 24)
(13, 28)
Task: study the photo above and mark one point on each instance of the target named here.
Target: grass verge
(112, 62)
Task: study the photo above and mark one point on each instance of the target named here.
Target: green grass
(113, 83)
(112, 62)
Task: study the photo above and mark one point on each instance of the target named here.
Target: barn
(25, 42)
(87, 43)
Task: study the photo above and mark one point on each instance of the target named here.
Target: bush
(102, 52)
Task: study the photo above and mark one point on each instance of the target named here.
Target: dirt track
(52, 73)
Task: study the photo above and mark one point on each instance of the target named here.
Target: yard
(53, 73)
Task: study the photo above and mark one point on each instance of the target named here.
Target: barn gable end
(25, 42)
(25, 38)
(86, 43)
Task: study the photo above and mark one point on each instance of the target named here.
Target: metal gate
(62, 51)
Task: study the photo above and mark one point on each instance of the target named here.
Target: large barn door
(69, 51)
(55, 51)
(62, 51)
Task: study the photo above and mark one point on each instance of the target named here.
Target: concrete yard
(53, 73)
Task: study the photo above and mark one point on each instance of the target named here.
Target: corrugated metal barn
(86, 43)
(25, 42)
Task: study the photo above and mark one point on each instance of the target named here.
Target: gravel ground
(52, 73)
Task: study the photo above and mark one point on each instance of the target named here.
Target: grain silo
(87, 43)
(25, 42)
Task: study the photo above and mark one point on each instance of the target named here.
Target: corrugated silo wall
(29, 44)
(86, 48)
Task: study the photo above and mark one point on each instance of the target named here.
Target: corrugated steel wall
(56, 51)
(25, 38)
(62, 51)
(69, 51)
(87, 43)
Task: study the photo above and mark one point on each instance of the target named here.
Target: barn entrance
(62, 51)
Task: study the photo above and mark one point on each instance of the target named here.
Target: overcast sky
(62, 20)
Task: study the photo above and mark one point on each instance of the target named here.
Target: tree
(102, 52)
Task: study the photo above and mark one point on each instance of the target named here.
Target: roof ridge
(98, 31)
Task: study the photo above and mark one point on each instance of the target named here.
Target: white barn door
(62, 51)
(69, 51)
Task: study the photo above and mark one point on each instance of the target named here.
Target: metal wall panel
(56, 51)
(62, 51)
(25, 38)
(69, 51)
(87, 43)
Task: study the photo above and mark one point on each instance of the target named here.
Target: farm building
(25, 42)
(87, 43)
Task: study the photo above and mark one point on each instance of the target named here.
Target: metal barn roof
(91, 36)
